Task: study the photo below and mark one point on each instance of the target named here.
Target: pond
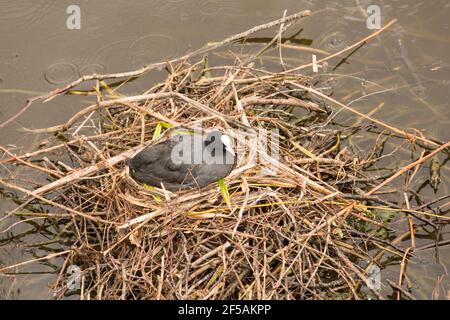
(409, 63)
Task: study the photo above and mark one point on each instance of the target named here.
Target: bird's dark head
(216, 137)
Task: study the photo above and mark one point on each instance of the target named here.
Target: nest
(301, 223)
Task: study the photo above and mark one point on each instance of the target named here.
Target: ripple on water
(212, 8)
(61, 73)
(184, 16)
(152, 48)
(23, 14)
(169, 10)
(91, 69)
(9, 74)
(113, 56)
(335, 41)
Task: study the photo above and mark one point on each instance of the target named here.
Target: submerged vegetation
(311, 224)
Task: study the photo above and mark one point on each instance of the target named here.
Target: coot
(185, 161)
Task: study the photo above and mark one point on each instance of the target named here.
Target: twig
(280, 32)
(401, 289)
(403, 269)
(362, 115)
(79, 174)
(353, 46)
(290, 101)
(50, 256)
(357, 272)
(409, 166)
(37, 196)
(410, 222)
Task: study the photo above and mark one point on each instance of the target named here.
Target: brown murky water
(410, 63)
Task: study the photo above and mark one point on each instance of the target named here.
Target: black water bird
(185, 161)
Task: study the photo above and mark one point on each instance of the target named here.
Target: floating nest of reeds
(304, 224)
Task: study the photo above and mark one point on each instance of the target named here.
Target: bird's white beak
(227, 143)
